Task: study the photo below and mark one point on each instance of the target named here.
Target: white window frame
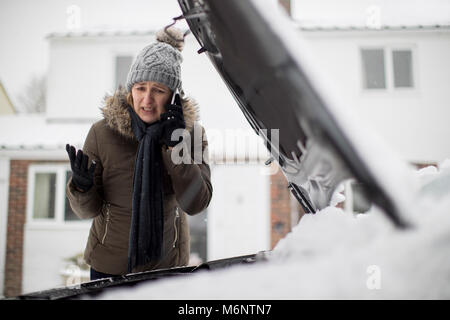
(389, 68)
(60, 196)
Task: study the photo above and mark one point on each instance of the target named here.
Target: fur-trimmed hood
(117, 117)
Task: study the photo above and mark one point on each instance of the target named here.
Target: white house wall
(82, 71)
(239, 212)
(414, 122)
(225, 125)
(218, 109)
(45, 251)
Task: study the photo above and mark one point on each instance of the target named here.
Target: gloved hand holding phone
(171, 120)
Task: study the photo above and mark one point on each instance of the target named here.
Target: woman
(125, 176)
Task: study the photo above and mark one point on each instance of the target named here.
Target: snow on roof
(96, 33)
(35, 132)
(303, 26)
(344, 27)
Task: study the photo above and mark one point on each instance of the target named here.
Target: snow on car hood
(337, 255)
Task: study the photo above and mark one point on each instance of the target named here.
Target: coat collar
(118, 119)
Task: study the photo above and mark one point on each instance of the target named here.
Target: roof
(35, 135)
(323, 27)
(303, 26)
(102, 33)
(29, 132)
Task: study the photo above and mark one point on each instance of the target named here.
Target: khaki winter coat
(187, 189)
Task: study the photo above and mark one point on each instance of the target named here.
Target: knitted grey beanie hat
(159, 61)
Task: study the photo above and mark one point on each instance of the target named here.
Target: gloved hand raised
(171, 120)
(82, 177)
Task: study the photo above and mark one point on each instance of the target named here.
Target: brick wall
(17, 206)
(15, 230)
(281, 208)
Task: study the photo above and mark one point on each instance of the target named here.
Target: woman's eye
(140, 88)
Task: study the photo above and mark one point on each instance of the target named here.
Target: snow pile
(338, 255)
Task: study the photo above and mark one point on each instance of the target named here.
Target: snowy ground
(337, 255)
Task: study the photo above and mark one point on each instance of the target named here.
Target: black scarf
(147, 222)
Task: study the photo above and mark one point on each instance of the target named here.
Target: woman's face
(149, 100)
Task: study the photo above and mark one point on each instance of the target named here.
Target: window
(123, 64)
(361, 202)
(44, 195)
(197, 230)
(356, 197)
(47, 201)
(373, 66)
(402, 64)
(386, 68)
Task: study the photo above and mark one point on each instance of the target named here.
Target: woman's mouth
(148, 110)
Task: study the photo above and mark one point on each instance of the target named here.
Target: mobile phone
(173, 96)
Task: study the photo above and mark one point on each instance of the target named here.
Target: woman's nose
(148, 98)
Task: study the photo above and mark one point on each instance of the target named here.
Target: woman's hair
(130, 99)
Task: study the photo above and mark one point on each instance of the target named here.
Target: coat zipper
(177, 216)
(107, 205)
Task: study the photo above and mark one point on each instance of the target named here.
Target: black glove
(82, 177)
(171, 120)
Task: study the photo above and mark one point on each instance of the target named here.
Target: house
(395, 79)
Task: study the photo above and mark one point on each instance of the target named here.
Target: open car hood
(272, 76)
